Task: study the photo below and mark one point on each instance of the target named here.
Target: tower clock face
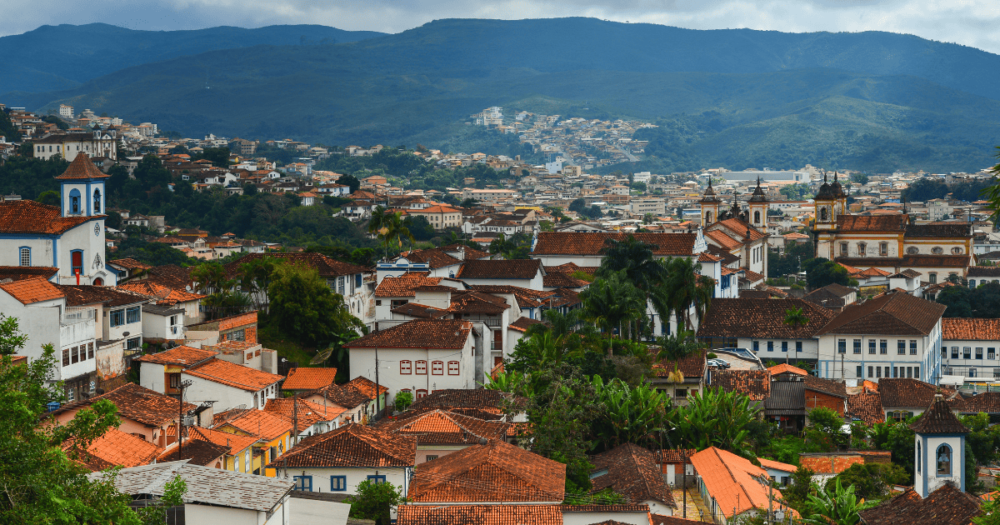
(97, 229)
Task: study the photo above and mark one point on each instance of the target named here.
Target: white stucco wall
(321, 477)
(152, 376)
(363, 364)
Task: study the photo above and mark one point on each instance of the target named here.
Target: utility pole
(684, 462)
(180, 418)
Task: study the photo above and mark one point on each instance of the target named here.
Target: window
(979, 352)
(175, 380)
(932, 277)
(956, 250)
(90, 350)
(75, 354)
(680, 393)
(25, 256)
(74, 202)
(943, 460)
(784, 346)
(431, 457)
(843, 249)
(991, 353)
(857, 346)
(883, 346)
(913, 347)
(97, 201)
(859, 371)
(303, 483)
(756, 346)
(76, 258)
(916, 372)
(246, 463)
(944, 352)
(972, 283)
(437, 368)
(421, 393)
(338, 483)
(117, 318)
(918, 455)
(871, 371)
(357, 281)
(133, 344)
(132, 315)
(770, 346)
(887, 371)
(237, 464)
(376, 479)
(967, 352)
(901, 347)
(937, 250)
(405, 367)
(883, 249)
(954, 352)
(871, 346)
(862, 249)
(972, 372)
(421, 368)
(66, 357)
(453, 368)
(798, 346)
(878, 371)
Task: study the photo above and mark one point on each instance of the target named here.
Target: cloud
(968, 22)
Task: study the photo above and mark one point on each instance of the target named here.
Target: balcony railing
(496, 345)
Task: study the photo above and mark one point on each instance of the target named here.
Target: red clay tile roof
(443, 427)
(526, 298)
(495, 472)
(419, 333)
(352, 445)
(435, 258)
(826, 386)
(163, 295)
(660, 519)
(523, 323)
(34, 290)
(962, 329)
(180, 355)
(479, 514)
(17, 273)
(633, 472)
(141, 405)
(676, 455)
(739, 228)
(171, 276)
(723, 238)
(562, 280)
(470, 253)
(403, 286)
(366, 386)
(116, 448)
(786, 369)
(912, 393)
(776, 465)
(307, 412)
(890, 314)
(730, 480)
(579, 243)
(754, 383)
(196, 452)
(130, 264)
(707, 257)
(235, 442)
(939, 419)
(761, 318)
(253, 422)
(491, 401)
(830, 463)
(912, 261)
(347, 396)
(234, 375)
(945, 506)
(939, 229)
(571, 268)
(986, 402)
(82, 168)
(869, 223)
(866, 406)
(309, 378)
(473, 302)
(85, 295)
(500, 269)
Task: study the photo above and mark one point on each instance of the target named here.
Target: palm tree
(648, 218)
(611, 301)
(795, 318)
(683, 283)
(635, 258)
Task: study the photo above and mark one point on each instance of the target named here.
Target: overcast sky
(969, 22)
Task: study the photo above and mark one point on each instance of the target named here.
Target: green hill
(735, 98)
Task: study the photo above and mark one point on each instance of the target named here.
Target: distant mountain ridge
(61, 57)
(734, 98)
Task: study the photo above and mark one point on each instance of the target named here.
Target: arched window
(957, 250)
(862, 249)
(24, 254)
(824, 214)
(97, 201)
(912, 250)
(756, 217)
(937, 250)
(708, 217)
(74, 202)
(76, 258)
(98, 282)
(943, 460)
(919, 458)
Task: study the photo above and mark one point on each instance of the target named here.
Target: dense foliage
(979, 302)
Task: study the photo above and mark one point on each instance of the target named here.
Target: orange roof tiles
(164, 296)
(237, 376)
(893, 223)
(730, 480)
(34, 290)
(740, 228)
(254, 422)
(440, 427)
(830, 463)
(480, 515)
(309, 378)
(180, 355)
(82, 168)
(889, 314)
(963, 329)
(237, 321)
(419, 333)
(366, 386)
(352, 445)
(776, 465)
(632, 471)
(236, 443)
(306, 412)
(117, 448)
(786, 368)
(723, 239)
(403, 286)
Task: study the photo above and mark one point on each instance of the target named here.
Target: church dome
(825, 192)
(836, 188)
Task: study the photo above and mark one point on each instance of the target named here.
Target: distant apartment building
(95, 144)
(488, 195)
(648, 205)
(243, 147)
(439, 217)
(492, 116)
(66, 112)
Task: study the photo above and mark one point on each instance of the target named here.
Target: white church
(69, 237)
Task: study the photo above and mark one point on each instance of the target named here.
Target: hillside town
(565, 347)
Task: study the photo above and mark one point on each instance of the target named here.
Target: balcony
(79, 316)
(496, 345)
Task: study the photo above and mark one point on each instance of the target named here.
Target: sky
(967, 22)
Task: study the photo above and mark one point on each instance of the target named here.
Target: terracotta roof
(83, 295)
(826, 386)
(523, 323)
(830, 463)
(724, 239)
(347, 396)
(707, 257)
(739, 227)
(163, 295)
(33, 290)
(911, 393)
(912, 261)
(890, 314)
(579, 243)
(946, 230)
(983, 271)
(82, 168)
(253, 422)
(660, 519)
(526, 298)
(692, 366)
(986, 402)
(196, 452)
(869, 223)
(562, 280)
(754, 383)
(235, 442)
(867, 407)
(500, 269)
(130, 264)
(730, 480)
(939, 419)
(366, 386)
(306, 412)
(179, 355)
(403, 286)
(479, 514)
(435, 258)
(116, 448)
(139, 404)
(753, 277)
(761, 319)
(964, 329)
(171, 276)
(675, 455)
(495, 472)
(473, 302)
(776, 465)
(17, 273)
(786, 369)
(419, 333)
(326, 266)
(633, 472)
(470, 253)
(462, 399)
(352, 445)
(443, 427)
(945, 506)
(570, 268)
(420, 311)
(234, 375)
(309, 378)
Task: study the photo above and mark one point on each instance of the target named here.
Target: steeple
(940, 449)
(709, 206)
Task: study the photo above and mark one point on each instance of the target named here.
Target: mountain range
(734, 98)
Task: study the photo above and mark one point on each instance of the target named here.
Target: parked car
(718, 363)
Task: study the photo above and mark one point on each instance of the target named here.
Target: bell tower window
(74, 202)
(944, 460)
(97, 201)
(756, 217)
(824, 214)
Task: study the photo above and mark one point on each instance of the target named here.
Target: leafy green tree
(375, 501)
(677, 346)
(403, 401)
(304, 309)
(859, 178)
(821, 272)
(218, 156)
(255, 278)
(511, 382)
(898, 438)
(824, 429)
(516, 246)
(8, 129)
(714, 417)
(872, 481)
(990, 514)
(50, 197)
(797, 492)
(612, 302)
(578, 205)
(350, 181)
(631, 414)
(633, 257)
(835, 506)
(419, 227)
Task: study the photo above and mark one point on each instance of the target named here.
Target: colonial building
(95, 144)
(737, 232)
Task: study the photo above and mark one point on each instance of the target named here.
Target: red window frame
(421, 393)
(437, 368)
(421, 368)
(405, 367)
(453, 368)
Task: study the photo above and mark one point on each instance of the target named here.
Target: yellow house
(273, 435)
(241, 448)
